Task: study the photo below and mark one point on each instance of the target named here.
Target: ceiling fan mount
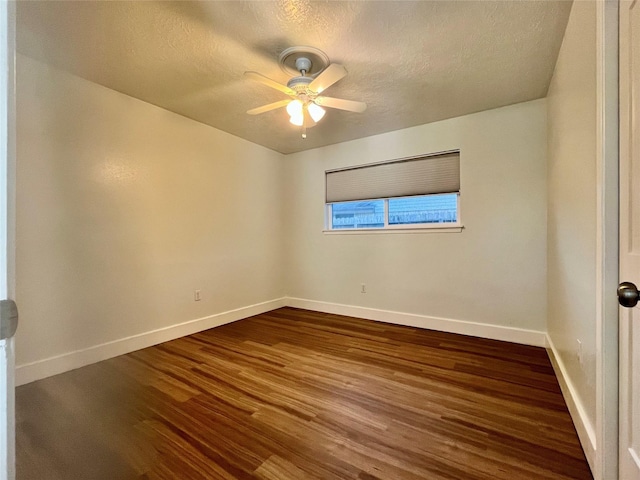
(312, 75)
(289, 60)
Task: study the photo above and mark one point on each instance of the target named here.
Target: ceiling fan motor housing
(300, 84)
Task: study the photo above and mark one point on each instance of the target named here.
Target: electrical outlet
(363, 288)
(196, 295)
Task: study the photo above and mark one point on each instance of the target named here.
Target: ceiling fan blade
(258, 77)
(266, 108)
(328, 77)
(341, 104)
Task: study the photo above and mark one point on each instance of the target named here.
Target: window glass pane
(365, 214)
(424, 209)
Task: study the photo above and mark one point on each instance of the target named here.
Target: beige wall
(493, 272)
(572, 187)
(124, 209)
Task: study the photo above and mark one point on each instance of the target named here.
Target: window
(367, 214)
(421, 192)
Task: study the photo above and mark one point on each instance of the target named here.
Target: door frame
(607, 246)
(7, 231)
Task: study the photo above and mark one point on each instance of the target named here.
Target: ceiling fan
(313, 75)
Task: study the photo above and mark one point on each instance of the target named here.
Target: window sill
(375, 231)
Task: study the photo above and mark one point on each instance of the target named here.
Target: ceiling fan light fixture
(316, 112)
(297, 119)
(313, 74)
(294, 109)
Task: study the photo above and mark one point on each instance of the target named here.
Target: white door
(7, 413)
(630, 238)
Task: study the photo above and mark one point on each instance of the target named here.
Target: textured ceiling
(411, 62)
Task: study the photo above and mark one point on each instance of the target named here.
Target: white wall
(572, 187)
(124, 209)
(493, 272)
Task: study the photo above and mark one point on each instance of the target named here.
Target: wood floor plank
(294, 394)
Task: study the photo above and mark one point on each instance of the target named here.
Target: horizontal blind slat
(421, 176)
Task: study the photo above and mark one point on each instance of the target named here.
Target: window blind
(401, 178)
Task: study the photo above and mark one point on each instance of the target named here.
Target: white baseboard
(483, 330)
(586, 431)
(47, 367)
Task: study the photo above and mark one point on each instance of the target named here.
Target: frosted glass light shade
(316, 112)
(294, 108)
(297, 119)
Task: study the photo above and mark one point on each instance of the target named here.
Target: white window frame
(386, 228)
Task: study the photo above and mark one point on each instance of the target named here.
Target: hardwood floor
(294, 394)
